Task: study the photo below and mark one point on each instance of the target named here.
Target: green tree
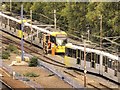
(75, 14)
(75, 17)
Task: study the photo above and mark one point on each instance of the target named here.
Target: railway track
(90, 83)
(4, 86)
(35, 51)
(42, 58)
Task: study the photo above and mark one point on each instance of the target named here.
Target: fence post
(13, 75)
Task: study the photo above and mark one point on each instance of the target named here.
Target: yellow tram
(58, 40)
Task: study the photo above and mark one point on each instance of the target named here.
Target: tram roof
(26, 24)
(33, 26)
(111, 56)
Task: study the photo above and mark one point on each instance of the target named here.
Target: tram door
(115, 67)
(46, 40)
(78, 57)
(105, 63)
(92, 60)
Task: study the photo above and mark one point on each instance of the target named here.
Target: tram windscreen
(61, 40)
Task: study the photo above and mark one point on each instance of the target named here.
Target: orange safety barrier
(53, 49)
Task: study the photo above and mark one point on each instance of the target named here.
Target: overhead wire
(96, 44)
(95, 34)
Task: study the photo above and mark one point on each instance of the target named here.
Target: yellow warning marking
(20, 33)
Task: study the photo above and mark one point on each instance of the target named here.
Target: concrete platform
(15, 63)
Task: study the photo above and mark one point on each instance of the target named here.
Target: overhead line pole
(22, 33)
(84, 64)
(31, 25)
(101, 32)
(55, 19)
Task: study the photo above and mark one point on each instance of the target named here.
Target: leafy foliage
(5, 54)
(31, 74)
(76, 17)
(33, 62)
(12, 48)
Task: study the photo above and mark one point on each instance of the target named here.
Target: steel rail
(27, 49)
(70, 81)
(73, 83)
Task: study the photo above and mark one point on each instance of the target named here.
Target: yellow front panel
(60, 49)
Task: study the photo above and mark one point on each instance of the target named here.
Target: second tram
(98, 62)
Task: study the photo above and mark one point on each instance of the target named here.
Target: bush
(31, 74)
(16, 52)
(12, 48)
(5, 54)
(33, 62)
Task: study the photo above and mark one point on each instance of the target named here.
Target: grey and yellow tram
(98, 62)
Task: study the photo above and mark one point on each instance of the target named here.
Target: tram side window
(40, 35)
(110, 63)
(34, 37)
(106, 64)
(93, 64)
(97, 59)
(115, 67)
(93, 56)
(78, 53)
(115, 73)
(104, 59)
(18, 26)
(106, 70)
(88, 57)
(46, 39)
(82, 55)
(74, 53)
(69, 52)
(66, 51)
(113, 64)
(52, 39)
(78, 60)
